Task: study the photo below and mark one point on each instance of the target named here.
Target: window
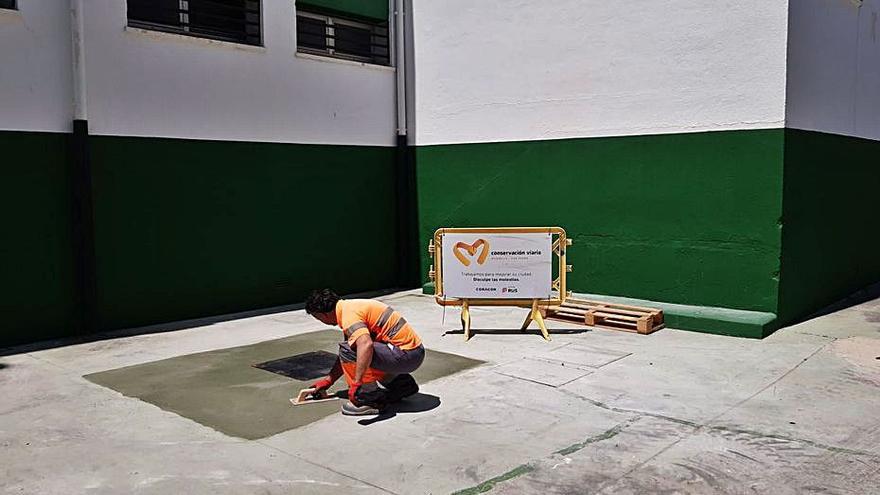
(7, 4)
(237, 21)
(363, 41)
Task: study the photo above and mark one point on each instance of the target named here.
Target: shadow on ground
(414, 404)
(509, 331)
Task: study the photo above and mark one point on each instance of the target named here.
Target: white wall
(502, 70)
(36, 85)
(834, 67)
(171, 86)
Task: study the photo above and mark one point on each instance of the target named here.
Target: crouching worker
(379, 352)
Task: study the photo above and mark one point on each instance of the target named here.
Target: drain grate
(302, 367)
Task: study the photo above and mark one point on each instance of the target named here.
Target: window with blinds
(237, 21)
(339, 37)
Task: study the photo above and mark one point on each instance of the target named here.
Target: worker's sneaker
(350, 409)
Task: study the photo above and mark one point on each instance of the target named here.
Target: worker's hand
(322, 384)
(352, 391)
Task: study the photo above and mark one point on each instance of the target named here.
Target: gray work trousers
(387, 357)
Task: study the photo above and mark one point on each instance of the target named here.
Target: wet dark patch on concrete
(303, 367)
(222, 390)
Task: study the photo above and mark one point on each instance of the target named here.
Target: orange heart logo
(471, 250)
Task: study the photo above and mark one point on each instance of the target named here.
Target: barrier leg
(466, 320)
(536, 315)
(528, 321)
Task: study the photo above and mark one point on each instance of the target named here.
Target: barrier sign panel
(498, 266)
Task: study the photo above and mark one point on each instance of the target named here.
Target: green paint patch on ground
(490, 484)
(222, 390)
(613, 432)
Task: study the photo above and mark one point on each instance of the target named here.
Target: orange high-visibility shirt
(357, 317)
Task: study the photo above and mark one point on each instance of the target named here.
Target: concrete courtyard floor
(593, 411)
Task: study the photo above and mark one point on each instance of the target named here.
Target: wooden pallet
(607, 315)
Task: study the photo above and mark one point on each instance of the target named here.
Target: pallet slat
(583, 307)
(616, 317)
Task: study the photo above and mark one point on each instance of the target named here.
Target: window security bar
(343, 38)
(237, 21)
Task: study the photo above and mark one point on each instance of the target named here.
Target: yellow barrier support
(558, 287)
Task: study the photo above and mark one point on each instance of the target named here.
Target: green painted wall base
(728, 229)
(830, 239)
(188, 228)
(690, 219)
(760, 223)
(37, 281)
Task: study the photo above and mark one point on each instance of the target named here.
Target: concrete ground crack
(624, 410)
(817, 335)
(639, 465)
(705, 426)
(277, 449)
(50, 363)
(529, 467)
(830, 448)
(774, 382)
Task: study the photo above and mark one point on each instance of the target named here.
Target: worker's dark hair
(321, 301)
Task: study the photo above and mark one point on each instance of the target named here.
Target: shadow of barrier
(511, 331)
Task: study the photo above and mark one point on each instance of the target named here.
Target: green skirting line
(704, 319)
(490, 484)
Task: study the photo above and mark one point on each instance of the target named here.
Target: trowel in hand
(311, 396)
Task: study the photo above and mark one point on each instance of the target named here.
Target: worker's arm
(327, 381)
(336, 370)
(364, 347)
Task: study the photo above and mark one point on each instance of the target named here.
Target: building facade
(223, 176)
(719, 156)
(165, 162)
